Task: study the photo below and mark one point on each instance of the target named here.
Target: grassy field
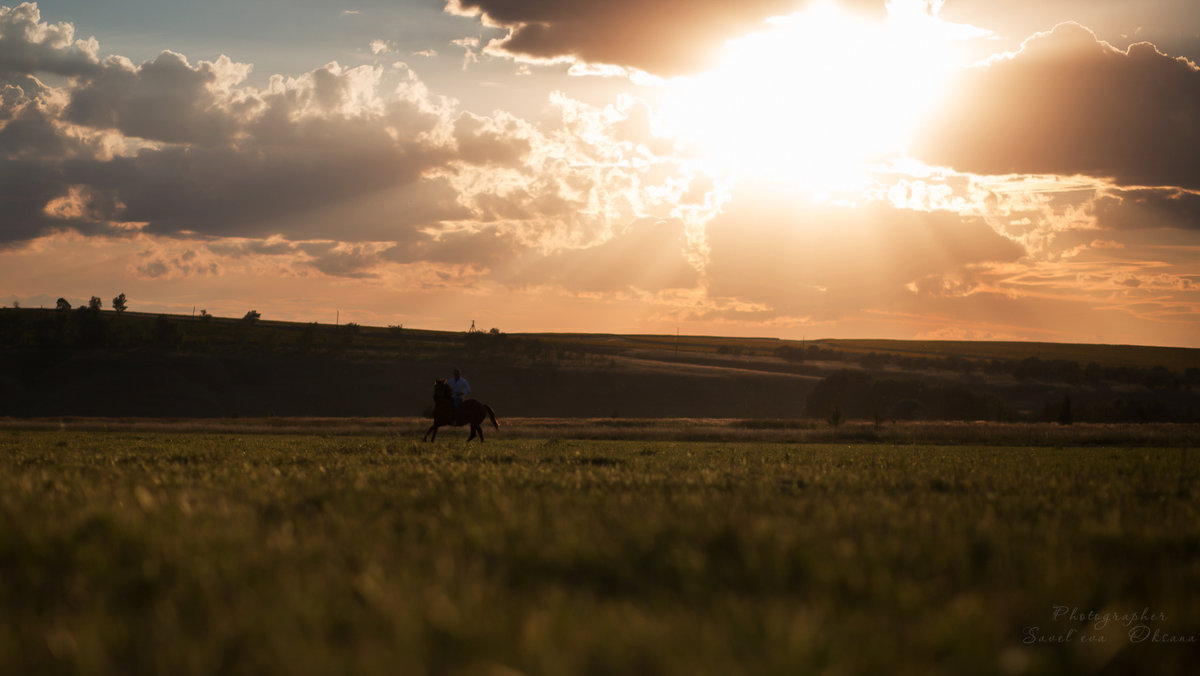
(133, 552)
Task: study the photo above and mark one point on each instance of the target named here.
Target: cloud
(27, 45)
(182, 266)
(187, 150)
(1148, 208)
(1163, 22)
(166, 99)
(338, 154)
(342, 260)
(665, 38)
(1067, 103)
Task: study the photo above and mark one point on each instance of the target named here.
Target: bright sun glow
(818, 95)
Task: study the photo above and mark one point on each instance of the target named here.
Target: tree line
(88, 325)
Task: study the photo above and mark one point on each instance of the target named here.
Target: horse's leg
(433, 429)
(479, 428)
(473, 426)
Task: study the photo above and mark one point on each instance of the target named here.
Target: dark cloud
(340, 260)
(1067, 103)
(666, 38)
(1148, 208)
(255, 191)
(316, 157)
(166, 99)
(830, 261)
(30, 133)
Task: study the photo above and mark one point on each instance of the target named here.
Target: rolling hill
(98, 363)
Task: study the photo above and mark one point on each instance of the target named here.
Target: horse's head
(441, 389)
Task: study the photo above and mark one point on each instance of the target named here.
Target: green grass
(201, 553)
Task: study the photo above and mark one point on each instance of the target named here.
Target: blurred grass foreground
(196, 553)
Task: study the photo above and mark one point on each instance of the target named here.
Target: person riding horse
(447, 412)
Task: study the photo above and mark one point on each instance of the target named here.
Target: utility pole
(337, 318)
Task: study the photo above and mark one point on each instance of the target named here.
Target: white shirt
(459, 387)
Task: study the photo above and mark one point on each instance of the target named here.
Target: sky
(912, 169)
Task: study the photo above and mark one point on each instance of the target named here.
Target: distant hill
(99, 363)
(1139, 356)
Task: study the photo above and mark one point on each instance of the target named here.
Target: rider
(459, 389)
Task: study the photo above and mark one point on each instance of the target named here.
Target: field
(190, 552)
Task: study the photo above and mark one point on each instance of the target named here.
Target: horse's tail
(492, 415)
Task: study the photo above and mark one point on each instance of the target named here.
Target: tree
(62, 304)
(118, 303)
(94, 304)
(251, 317)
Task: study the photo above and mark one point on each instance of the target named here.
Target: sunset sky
(925, 169)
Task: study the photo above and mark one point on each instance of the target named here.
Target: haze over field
(913, 169)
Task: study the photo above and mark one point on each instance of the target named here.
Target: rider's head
(457, 374)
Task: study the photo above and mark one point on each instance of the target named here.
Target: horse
(471, 412)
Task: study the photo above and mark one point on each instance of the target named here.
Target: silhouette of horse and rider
(449, 408)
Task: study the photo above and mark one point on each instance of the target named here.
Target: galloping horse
(470, 412)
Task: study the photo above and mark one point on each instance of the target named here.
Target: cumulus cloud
(185, 150)
(1068, 103)
(166, 99)
(27, 45)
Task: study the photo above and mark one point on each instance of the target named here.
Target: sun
(817, 96)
